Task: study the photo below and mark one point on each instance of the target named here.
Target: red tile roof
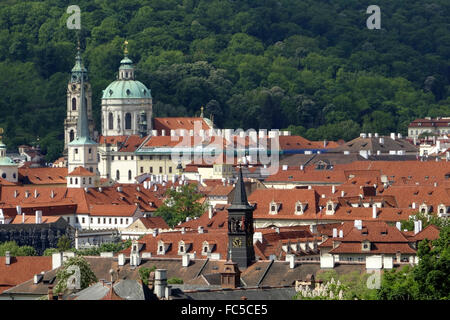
(154, 222)
(40, 176)
(81, 171)
(21, 269)
(174, 123)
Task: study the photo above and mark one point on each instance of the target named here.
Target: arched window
(71, 135)
(110, 121)
(85, 102)
(71, 181)
(74, 104)
(129, 174)
(76, 180)
(128, 121)
(117, 175)
(90, 180)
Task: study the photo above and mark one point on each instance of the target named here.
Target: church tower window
(129, 174)
(117, 175)
(110, 121)
(71, 135)
(128, 121)
(74, 104)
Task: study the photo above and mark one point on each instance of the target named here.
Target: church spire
(240, 196)
(126, 70)
(82, 133)
(78, 70)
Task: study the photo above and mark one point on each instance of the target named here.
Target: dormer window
(162, 247)
(424, 208)
(330, 207)
(299, 208)
(181, 248)
(274, 207)
(365, 246)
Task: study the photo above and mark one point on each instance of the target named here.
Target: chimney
(413, 205)
(52, 194)
(121, 259)
(398, 225)
(35, 193)
(374, 211)
(210, 212)
(7, 258)
(183, 230)
(57, 259)
(19, 210)
(50, 292)
(277, 230)
(417, 226)
(185, 260)
(200, 229)
(155, 232)
(342, 193)
(291, 259)
(23, 217)
(392, 135)
(38, 216)
(358, 224)
(160, 282)
(313, 228)
(168, 292)
(341, 233)
(335, 233)
(333, 189)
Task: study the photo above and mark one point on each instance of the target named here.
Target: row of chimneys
(36, 194)
(227, 133)
(369, 135)
(38, 214)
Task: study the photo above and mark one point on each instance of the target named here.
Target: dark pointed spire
(82, 136)
(240, 195)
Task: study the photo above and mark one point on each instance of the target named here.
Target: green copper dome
(126, 89)
(6, 161)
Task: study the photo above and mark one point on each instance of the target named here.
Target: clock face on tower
(237, 243)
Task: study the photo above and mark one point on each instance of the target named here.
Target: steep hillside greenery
(310, 65)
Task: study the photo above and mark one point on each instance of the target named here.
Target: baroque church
(126, 103)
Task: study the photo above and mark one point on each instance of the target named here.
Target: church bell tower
(240, 227)
(74, 101)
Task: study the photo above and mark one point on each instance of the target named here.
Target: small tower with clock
(240, 227)
(74, 101)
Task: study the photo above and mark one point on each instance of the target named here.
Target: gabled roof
(81, 171)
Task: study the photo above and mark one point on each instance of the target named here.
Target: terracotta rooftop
(21, 269)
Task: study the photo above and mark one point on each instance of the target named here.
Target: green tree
(16, 250)
(426, 281)
(64, 243)
(87, 276)
(181, 204)
(144, 273)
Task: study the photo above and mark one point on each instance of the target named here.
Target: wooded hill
(310, 65)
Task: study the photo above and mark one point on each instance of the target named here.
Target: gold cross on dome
(125, 50)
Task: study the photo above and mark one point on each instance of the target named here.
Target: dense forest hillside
(310, 65)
